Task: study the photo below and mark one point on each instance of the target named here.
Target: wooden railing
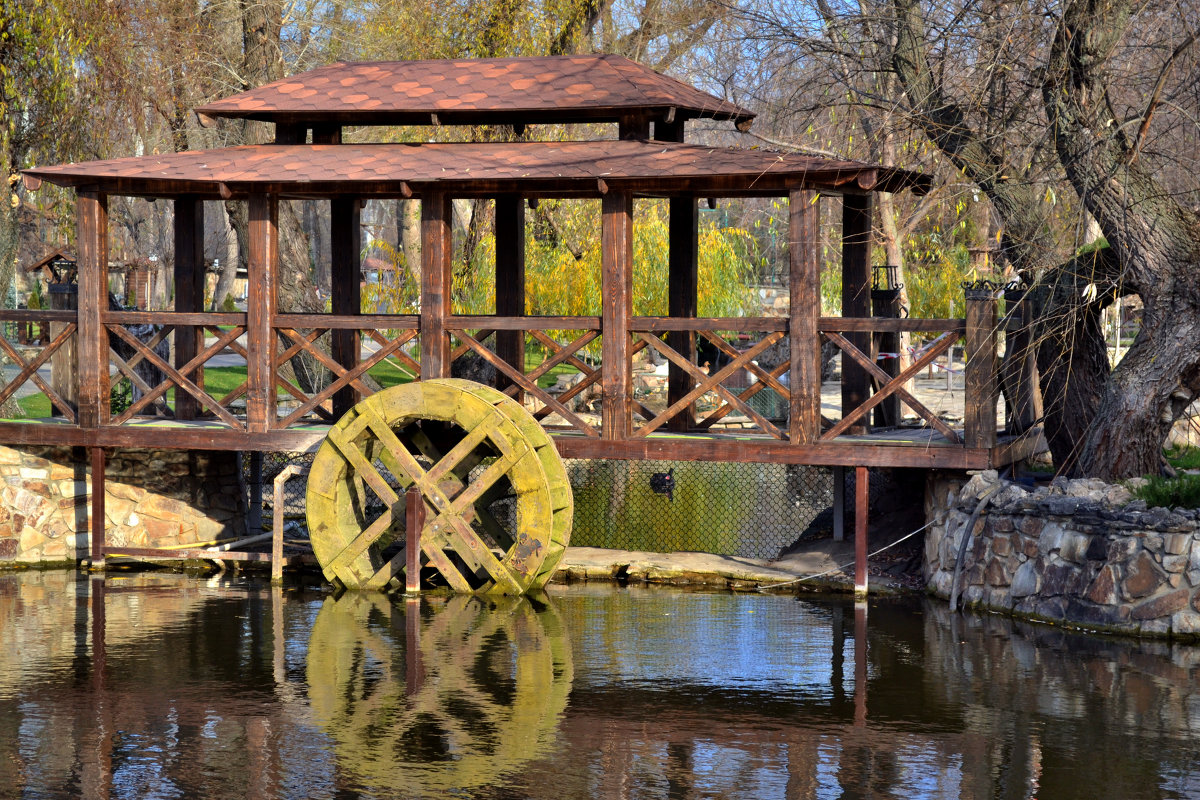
(729, 392)
(63, 329)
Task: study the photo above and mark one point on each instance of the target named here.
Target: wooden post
(804, 309)
(682, 290)
(263, 264)
(189, 293)
(97, 523)
(885, 302)
(979, 421)
(345, 242)
(327, 133)
(616, 270)
(683, 234)
(64, 377)
(839, 504)
(1022, 388)
(510, 277)
(414, 521)
(861, 494)
(856, 297)
(435, 284)
(633, 126)
(92, 213)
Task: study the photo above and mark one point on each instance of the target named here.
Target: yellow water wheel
(497, 500)
(438, 696)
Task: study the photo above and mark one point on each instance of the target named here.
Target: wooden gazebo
(648, 158)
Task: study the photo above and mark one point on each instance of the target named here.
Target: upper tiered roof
(515, 91)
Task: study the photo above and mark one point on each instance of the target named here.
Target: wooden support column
(327, 133)
(345, 242)
(263, 265)
(510, 277)
(1020, 373)
(682, 283)
(96, 524)
(682, 289)
(856, 297)
(633, 126)
(436, 253)
(616, 270)
(92, 218)
(804, 309)
(189, 294)
(861, 522)
(885, 302)
(981, 381)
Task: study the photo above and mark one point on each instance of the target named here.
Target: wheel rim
(497, 501)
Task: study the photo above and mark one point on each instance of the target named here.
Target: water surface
(162, 686)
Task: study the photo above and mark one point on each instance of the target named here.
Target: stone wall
(1081, 553)
(154, 498)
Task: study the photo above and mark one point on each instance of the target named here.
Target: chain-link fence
(748, 510)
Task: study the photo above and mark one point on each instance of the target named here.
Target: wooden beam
(856, 293)
(189, 292)
(92, 219)
(327, 133)
(345, 242)
(510, 277)
(804, 309)
(436, 252)
(682, 299)
(633, 126)
(262, 268)
(886, 303)
(979, 419)
(616, 273)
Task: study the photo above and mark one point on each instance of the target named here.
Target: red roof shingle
(475, 91)
(649, 167)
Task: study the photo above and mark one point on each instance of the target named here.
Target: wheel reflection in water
(437, 695)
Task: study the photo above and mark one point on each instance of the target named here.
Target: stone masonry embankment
(1080, 553)
(153, 498)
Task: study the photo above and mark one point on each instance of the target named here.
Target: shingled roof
(583, 168)
(554, 89)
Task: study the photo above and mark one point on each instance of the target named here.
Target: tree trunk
(1154, 237)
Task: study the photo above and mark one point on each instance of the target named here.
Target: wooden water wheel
(439, 696)
(497, 500)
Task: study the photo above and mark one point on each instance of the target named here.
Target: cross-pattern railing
(724, 375)
(887, 385)
(165, 329)
(564, 340)
(311, 336)
(28, 363)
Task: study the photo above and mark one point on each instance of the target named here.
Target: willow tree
(1152, 230)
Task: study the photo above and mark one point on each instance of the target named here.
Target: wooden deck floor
(897, 447)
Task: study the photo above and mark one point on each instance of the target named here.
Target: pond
(155, 685)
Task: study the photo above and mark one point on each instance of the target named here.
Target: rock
(1174, 564)
(1074, 546)
(1031, 526)
(1142, 576)
(1176, 543)
(1161, 606)
(995, 574)
(1103, 589)
(1001, 545)
(979, 485)
(1025, 581)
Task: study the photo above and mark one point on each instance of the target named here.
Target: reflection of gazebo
(649, 158)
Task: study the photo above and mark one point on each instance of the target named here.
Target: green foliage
(35, 295)
(1179, 492)
(229, 304)
(1183, 457)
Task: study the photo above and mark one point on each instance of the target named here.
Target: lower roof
(576, 168)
